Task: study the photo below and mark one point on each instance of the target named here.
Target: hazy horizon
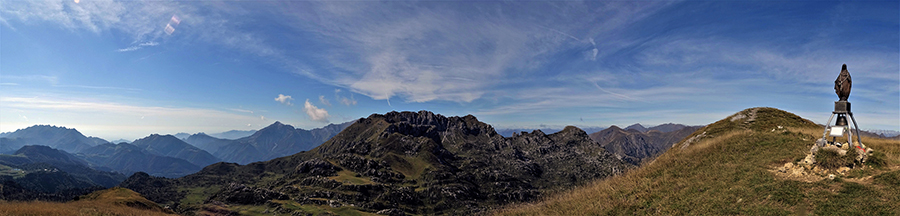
(127, 69)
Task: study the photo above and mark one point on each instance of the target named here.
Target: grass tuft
(831, 159)
(877, 160)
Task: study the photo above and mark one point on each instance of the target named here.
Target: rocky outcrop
(246, 195)
(317, 167)
(158, 189)
(418, 163)
(469, 166)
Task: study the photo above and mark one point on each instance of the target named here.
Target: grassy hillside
(113, 201)
(729, 168)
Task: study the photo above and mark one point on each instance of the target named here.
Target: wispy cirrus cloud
(49, 79)
(138, 19)
(395, 55)
(241, 110)
(137, 47)
(346, 101)
(323, 100)
(145, 21)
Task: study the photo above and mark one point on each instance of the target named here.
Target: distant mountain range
(171, 146)
(396, 163)
(167, 155)
(181, 136)
(636, 143)
(276, 140)
(207, 142)
(128, 159)
(509, 132)
(233, 134)
(41, 172)
(66, 139)
(121, 141)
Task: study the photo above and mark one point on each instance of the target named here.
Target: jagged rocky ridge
(403, 162)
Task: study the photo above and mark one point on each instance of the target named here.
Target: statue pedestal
(841, 107)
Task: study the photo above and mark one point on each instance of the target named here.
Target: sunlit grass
(728, 173)
(349, 177)
(114, 201)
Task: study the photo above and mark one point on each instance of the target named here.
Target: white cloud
(323, 100)
(315, 113)
(284, 99)
(137, 47)
(242, 110)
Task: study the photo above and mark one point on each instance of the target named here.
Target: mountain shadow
(128, 159)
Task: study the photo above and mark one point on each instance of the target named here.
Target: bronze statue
(842, 84)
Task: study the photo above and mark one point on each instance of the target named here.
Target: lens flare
(173, 22)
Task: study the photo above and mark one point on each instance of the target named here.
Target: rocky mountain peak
(407, 122)
(158, 137)
(638, 127)
(667, 127)
(572, 131)
(278, 126)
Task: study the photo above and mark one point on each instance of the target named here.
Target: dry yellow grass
(727, 173)
(114, 201)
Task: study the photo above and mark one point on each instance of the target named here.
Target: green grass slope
(727, 168)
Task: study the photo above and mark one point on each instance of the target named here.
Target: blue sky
(111, 69)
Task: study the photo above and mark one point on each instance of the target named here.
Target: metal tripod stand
(842, 110)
